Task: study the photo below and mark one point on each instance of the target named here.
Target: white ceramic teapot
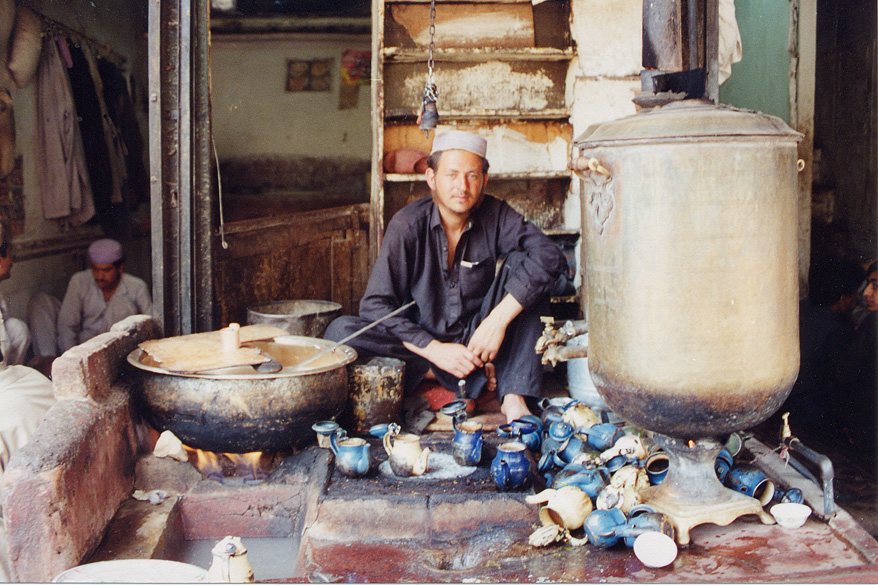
(230, 563)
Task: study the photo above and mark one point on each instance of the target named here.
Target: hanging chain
(428, 117)
(431, 85)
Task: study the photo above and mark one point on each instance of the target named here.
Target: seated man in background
(15, 337)
(470, 321)
(856, 381)
(100, 296)
(826, 329)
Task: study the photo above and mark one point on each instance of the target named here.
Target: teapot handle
(386, 441)
(333, 441)
(420, 465)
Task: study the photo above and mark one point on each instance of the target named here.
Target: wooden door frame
(181, 202)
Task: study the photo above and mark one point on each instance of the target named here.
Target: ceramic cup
(525, 431)
(590, 480)
(351, 455)
(382, 429)
(602, 436)
(723, 464)
(750, 481)
(645, 522)
(657, 466)
(406, 456)
(324, 430)
(789, 496)
(466, 447)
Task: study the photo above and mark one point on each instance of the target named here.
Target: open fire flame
(247, 468)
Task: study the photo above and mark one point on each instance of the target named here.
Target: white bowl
(655, 549)
(790, 515)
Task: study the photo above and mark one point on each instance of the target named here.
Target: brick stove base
(374, 529)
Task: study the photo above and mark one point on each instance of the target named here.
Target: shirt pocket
(476, 277)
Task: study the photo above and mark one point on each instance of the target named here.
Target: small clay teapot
(405, 454)
(579, 415)
(567, 506)
(230, 563)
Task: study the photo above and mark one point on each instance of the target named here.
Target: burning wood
(247, 468)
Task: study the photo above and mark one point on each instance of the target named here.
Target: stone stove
(67, 500)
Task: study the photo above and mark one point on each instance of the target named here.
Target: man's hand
(454, 358)
(488, 336)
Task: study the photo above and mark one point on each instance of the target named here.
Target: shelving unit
(501, 68)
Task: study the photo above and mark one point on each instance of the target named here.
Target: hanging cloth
(116, 150)
(64, 181)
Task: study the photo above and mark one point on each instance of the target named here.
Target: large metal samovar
(689, 218)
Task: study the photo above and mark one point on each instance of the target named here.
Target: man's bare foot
(491, 375)
(514, 406)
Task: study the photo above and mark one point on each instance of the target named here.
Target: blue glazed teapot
(511, 467)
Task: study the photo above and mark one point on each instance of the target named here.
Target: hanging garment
(91, 128)
(7, 21)
(7, 134)
(121, 109)
(730, 50)
(27, 40)
(116, 150)
(64, 181)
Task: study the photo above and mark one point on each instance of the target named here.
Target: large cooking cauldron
(238, 410)
(689, 214)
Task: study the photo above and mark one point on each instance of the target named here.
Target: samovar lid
(686, 120)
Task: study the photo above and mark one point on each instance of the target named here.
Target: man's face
(458, 183)
(107, 276)
(870, 293)
(5, 260)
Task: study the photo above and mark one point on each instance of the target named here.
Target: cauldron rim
(349, 356)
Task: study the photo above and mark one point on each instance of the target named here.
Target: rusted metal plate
(514, 86)
(461, 25)
(317, 255)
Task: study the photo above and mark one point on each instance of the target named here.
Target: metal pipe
(827, 473)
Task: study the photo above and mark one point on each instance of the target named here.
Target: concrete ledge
(459, 513)
(371, 518)
(266, 510)
(383, 518)
(59, 495)
(88, 370)
(141, 530)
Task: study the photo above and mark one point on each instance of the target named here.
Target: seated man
(470, 321)
(99, 297)
(26, 396)
(826, 329)
(855, 396)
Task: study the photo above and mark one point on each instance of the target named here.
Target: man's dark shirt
(412, 265)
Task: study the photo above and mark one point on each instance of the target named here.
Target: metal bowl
(238, 410)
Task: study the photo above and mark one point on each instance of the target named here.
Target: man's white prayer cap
(105, 251)
(457, 140)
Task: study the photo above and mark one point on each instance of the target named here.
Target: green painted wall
(760, 81)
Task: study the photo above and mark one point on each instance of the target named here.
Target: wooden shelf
(533, 175)
(460, 1)
(229, 24)
(401, 55)
(446, 115)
